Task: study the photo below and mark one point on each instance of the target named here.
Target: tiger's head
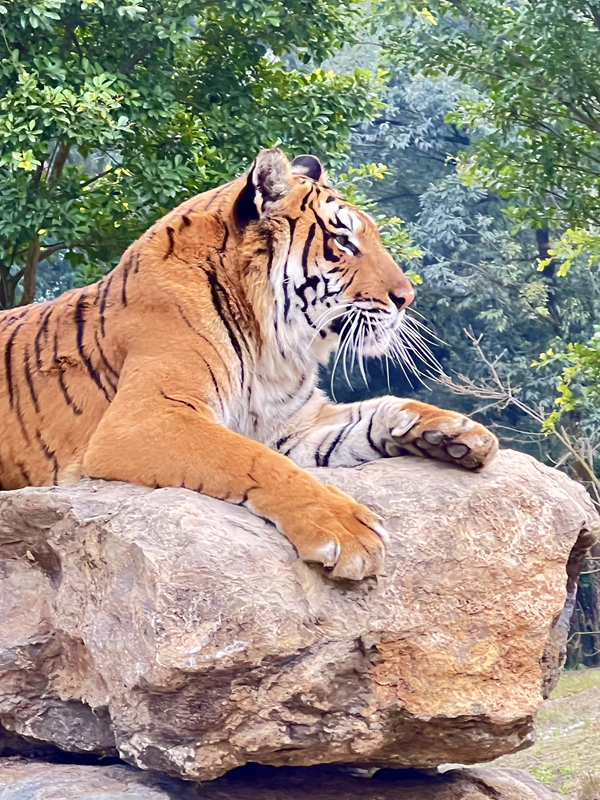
(328, 269)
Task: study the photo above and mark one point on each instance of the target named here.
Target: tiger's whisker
(338, 355)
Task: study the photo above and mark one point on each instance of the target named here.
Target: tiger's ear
(309, 166)
(268, 181)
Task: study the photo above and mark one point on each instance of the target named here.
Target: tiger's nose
(402, 298)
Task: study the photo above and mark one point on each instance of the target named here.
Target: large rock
(185, 634)
(26, 780)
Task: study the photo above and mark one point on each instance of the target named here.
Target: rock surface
(184, 633)
(26, 780)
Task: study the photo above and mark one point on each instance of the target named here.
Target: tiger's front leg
(426, 430)
(157, 432)
(327, 434)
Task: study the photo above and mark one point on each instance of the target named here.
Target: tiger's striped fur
(194, 363)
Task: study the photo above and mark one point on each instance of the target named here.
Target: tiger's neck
(284, 372)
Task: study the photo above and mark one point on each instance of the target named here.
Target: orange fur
(134, 377)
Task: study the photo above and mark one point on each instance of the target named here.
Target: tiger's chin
(375, 341)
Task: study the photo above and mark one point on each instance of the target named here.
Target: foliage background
(113, 111)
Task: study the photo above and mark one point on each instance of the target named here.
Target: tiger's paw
(339, 533)
(433, 432)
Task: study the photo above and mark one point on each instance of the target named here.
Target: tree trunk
(7, 289)
(59, 162)
(30, 273)
(542, 238)
(584, 648)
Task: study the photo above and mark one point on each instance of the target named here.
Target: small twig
(501, 395)
(583, 633)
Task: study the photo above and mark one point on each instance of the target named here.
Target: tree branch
(53, 248)
(95, 178)
(595, 14)
(502, 395)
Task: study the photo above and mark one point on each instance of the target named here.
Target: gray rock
(26, 780)
(184, 633)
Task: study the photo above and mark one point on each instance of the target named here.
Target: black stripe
(309, 283)
(279, 444)
(370, 439)
(177, 400)
(103, 303)
(305, 199)
(214, 197)
(185, 222)
(334, 444)
(8, 363)
(43, 331)
(171, 235)
(311, 323)
(50, 454)
(204, 339)
(126, 268)
(20, 419)
(327, 293)
(80, 322)
(29, 380)
(14, 317)
(220, 298)
(304, 401)
(341, 437)
(346, 286)
(77, 410)
(306, 250)
(289, 450)
(337, 224)
(105, 361)
(353, 248)
(328, 253)
(214, 380)
(270, 251)
(287, 301)
(187, 322)
(292, 223)
(286, 287)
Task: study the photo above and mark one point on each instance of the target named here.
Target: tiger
(194, 364)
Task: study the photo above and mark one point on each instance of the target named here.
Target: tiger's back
(63, 358)
(58, 375)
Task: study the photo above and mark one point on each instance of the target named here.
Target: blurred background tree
(492, 139)
(113, 111)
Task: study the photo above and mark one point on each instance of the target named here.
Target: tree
(112, 111)
(536, 70)
(530, 108)
(476, 272)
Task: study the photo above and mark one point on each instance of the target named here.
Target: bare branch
(498, 393)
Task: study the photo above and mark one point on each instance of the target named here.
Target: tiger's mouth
(337, 326)
(399, 338)
(377, 324)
